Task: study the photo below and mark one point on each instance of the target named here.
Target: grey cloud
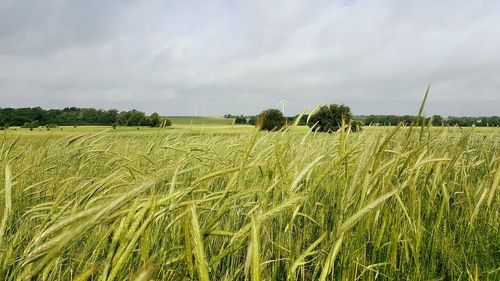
(241, 57)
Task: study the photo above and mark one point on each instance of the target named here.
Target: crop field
(198, 120)
(224, 202)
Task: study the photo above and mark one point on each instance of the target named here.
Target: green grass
(223, 202)
(134, 131)
(197, 121)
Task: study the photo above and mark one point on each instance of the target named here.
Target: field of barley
(232, 203)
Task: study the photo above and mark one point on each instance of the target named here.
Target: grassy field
(197, 120)
(223, 202)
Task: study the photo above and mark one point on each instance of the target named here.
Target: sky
(240, 57)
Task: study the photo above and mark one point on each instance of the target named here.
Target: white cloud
(239, 57)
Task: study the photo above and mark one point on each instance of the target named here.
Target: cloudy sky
(244, 56)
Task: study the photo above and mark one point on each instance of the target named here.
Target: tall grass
(393, 203)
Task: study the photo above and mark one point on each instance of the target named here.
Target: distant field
(192, 120)
(212, 126)
(180, 124)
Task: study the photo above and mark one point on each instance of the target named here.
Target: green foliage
(356, 125)
(270, 120)
(168, 123)
(51, 126)
(137, 118)
(329, 118)
(437, 120)
(389, 120)
(252, 120)
(302, 121)
(74, 116)
(154, 120)
(35, 124)
(240, 120)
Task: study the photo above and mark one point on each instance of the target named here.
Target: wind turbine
(282, 103)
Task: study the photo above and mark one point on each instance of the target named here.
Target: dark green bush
(271, 119)
(328, 118)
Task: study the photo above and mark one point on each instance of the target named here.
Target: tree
(252, 120)
(329, 118)
(137, 118)
(168, 123)
(356, 125)
(51, 125)
(270, 119)
(35, 124)
(109, 117)
(154, 120)
(240, 120)
(303, 119)
(122, 118)
(437, 120)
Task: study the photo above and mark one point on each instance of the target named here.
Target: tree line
(329, 118)
(383, 120)
(436, 120)
(252, 119)
(74, 116)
